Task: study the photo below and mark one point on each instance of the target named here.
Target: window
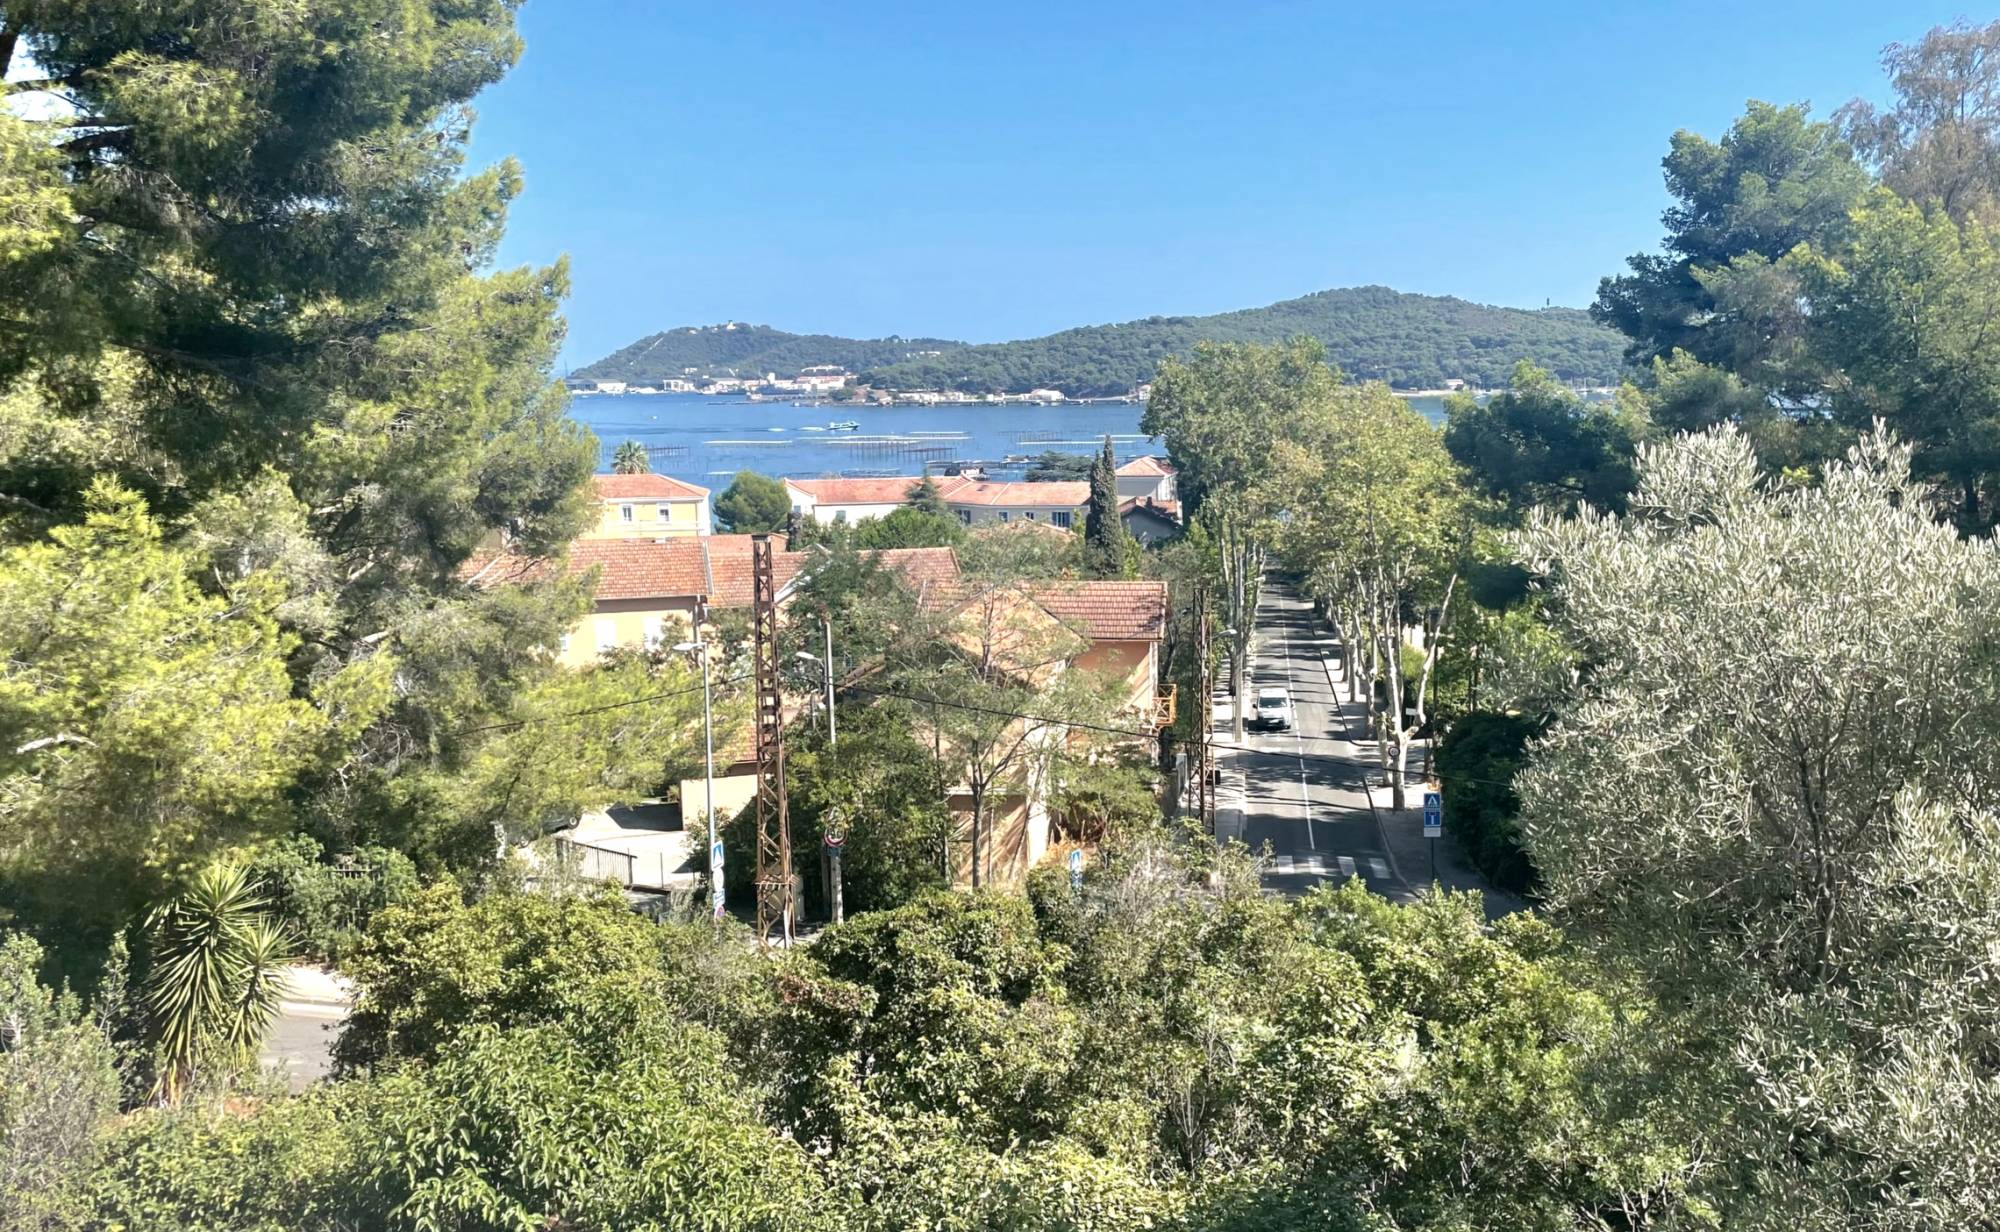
(625, 512)
(607, 630)
(839, 517)
(664, 512)
(1030, 515)
(1005, 516)
(1060, 518)
(965, 517)
(563, 643)
(655, 629)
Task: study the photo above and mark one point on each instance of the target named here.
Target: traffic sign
(715, 890)
(834, 843)
(1076, 869)
(1433, 814)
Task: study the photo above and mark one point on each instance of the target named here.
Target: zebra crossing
(1327, 866)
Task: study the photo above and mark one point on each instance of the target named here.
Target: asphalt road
(1303, 792)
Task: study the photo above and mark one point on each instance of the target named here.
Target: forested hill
(748, 350)
(1374, 333)
(1410, 341)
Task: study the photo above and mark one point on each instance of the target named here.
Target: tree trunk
(978, 816)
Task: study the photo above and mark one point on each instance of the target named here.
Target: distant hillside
(1410, 341)
(748, 350)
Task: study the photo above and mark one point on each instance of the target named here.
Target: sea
(705, 439)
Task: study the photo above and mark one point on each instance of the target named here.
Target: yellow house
(1112, 629)
(647, 507)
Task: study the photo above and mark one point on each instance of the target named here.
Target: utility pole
(699, 649)
(775, 908)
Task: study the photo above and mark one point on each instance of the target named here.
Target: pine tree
(1105, 541)
(926, 498)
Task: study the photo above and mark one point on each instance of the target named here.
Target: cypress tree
(1104, 537)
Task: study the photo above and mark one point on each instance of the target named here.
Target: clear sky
(990, 171)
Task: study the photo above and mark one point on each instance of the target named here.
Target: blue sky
(998, 171)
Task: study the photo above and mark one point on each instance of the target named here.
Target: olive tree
(1773, 795)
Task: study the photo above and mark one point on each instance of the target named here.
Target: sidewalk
(1403, 830)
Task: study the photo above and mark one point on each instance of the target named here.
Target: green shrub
(326, 903)
(1477, 760)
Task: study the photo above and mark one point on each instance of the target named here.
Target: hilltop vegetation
(748, 350)
(1373, 333)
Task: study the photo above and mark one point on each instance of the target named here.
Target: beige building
(647, 507)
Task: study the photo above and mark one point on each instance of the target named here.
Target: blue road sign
(1433, 815)
(715, 890)
(1076, 869)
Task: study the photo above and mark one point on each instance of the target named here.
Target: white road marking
(1347, 866)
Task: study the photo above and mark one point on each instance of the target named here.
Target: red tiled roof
(644, 487)
(920, 567)
(891, 491)
(716, 566)
(1061, 494)
(1147, 465)
(1169, 509)
(1108, 611)
(1100, 611)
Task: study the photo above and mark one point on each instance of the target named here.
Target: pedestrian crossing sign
(1433, 814)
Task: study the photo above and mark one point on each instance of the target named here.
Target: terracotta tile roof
(716, 566)
(644, 487)
(642, 569)
(1147, 465)
(1101, 611)
(1062, 494)
(733, 585)
(920, 567)
(1108, 611)
(891, 491)
(1169, 509)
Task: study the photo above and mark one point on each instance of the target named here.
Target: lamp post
(699, 649)
(826, 668)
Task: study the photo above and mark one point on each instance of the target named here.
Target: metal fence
(595, 863)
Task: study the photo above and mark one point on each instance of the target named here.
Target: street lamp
(830, 847)
(826, 667)
(699, 649)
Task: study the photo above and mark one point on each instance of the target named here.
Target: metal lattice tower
(774, 830)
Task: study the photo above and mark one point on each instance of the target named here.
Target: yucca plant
(631, 458)
(217, 975)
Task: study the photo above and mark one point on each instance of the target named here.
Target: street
(1302, 791)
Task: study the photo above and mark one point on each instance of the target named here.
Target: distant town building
(823, 378)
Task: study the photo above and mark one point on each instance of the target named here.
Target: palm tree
(631, 458)
(217, 978)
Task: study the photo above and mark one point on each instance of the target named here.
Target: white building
(823, 378)
(1149, 479)
(828, 501)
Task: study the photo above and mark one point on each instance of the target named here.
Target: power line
(578, 714)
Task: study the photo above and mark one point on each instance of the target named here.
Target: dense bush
(1477, 759)
(1167, 1049)
(326, 903)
